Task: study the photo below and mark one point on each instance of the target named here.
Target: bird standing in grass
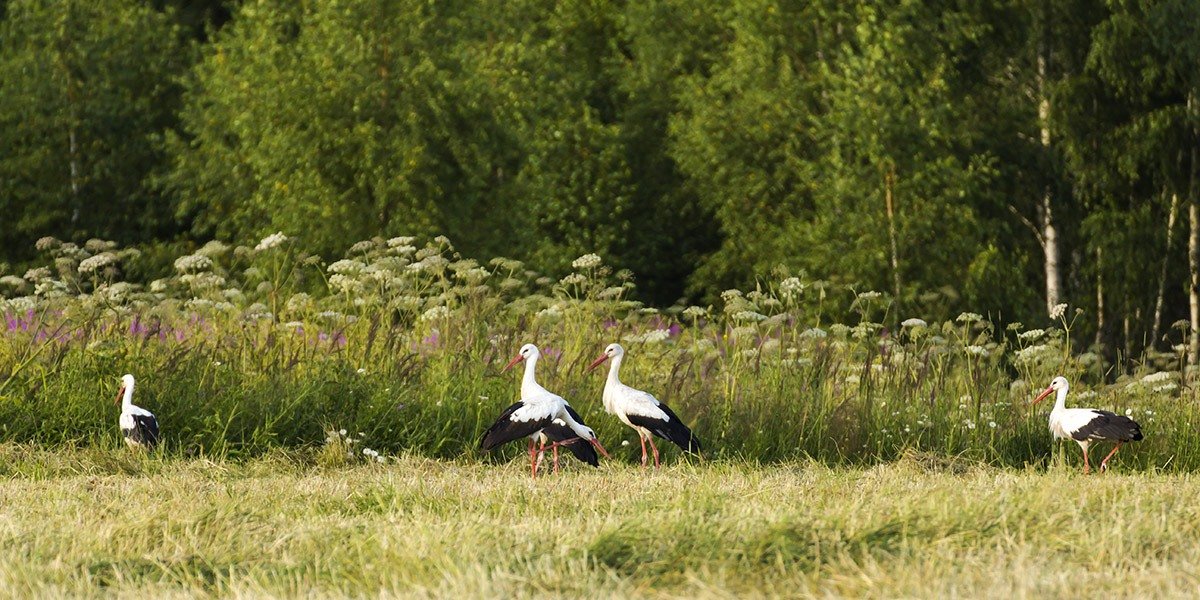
(641, 411)
(536, 416)
(1087, 425)
(558, 434)
(138, 425)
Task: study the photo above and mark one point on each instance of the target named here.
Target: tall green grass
(245, 350)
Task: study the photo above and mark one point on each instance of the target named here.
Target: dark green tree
(86, 90)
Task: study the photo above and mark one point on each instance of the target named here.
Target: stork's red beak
(516, 359)
(120, 394)
(1042, 396)
(596, 443)
(597, 362)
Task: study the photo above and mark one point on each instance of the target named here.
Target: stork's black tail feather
(1110, 426)
(581, 448)
(505, 429)
(672, 430)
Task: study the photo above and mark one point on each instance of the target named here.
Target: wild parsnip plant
(247, 349)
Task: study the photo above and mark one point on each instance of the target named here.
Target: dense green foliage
(919, 149)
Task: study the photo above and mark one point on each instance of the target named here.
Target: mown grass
(92, 522)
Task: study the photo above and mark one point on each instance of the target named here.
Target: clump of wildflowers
(1058, 310)
(98, 262)
(271, 241)
(193, 263)
(587, 261)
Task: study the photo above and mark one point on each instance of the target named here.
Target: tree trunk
(65, 47)
(1193, 244)
(1194, 258)
(889, 180)
(1162, 274)
(1046, 212)
(1099, 298)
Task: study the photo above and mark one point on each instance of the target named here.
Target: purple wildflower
(432, 340)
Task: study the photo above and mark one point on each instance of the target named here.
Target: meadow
(102, 522)
(398, 347)
(321, 423)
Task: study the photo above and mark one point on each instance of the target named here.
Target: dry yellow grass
(95, 522)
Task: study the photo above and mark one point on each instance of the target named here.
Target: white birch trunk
(1194, 269)
(1099, 297)
(1155, 328)
(1046, 213)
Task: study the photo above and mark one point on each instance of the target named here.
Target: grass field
(321, 424)
(89, 522)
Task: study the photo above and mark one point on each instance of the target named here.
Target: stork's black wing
(672, 429)
(1109, 426)
(508, 428)
(144, 431)
(581, 448)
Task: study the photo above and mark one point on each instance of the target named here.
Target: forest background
(1001, 157)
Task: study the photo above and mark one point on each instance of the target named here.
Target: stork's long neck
(614, 371)
(1060, 402)
(579, 429)
(612, 383)
(529, 385)
(127, 399)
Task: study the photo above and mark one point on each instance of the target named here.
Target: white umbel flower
(1058, 311)
(346, 266)
(791, 286)
(587, 261)
(97, 262)
(193, 263)
(748, 316)
(271, 241)
(1032, 335)
(437, 312)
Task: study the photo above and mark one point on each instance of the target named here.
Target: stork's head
(1058, 383)
(612, 351)
(527, 352)
(126, 384)
(586, 433)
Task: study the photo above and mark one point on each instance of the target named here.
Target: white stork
(642, 411)
(138, 425)
(1087, 425)
(536, 416)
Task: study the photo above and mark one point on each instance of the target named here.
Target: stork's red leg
(643, 450)
(532, 459)
(1087, 467)
(1104, 463)
(540, 453)
(655, 449)
(555, 447)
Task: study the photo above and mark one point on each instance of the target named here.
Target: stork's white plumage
(640, 410)
(536, 416)
(1086, 425)
(138, 425)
